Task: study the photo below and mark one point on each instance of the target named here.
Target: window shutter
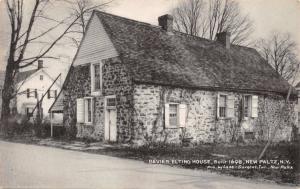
(230, 106)
(80, 110)
(35, 93)
(167, 116)
(28, 93)
(254, 108)
(218, 97)
(243, 107)
(101, 75)
(182, 115)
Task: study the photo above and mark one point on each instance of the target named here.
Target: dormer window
(96, 78)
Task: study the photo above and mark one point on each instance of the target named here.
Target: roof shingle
(155, 56)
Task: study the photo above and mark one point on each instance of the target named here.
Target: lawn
(196, 157)
(222, 154)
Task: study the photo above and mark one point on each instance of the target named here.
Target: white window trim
(93, 92)
(86, 122)
(174, 126)
(249, 108)
(219, 96)
(105, 101)
(226, 106)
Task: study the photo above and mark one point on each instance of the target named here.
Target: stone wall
(202, 122)
(116, 81)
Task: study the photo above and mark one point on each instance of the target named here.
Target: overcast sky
(268, 16)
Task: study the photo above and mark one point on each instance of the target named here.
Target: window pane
(247, 106)
(97, 76)
(173, 114)
(111, 102)
(222, 106)
(222, 111)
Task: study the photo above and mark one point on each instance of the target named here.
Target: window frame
(31, 93)
(106, 102)
(28, 111)
(177, 115)
(86, 111)
(225, 106)
(95, 92)
(249, 106)
(54, 93)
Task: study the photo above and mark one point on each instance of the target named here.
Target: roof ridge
(175, 31)
(128, 19)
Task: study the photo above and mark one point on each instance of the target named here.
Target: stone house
(132, 81)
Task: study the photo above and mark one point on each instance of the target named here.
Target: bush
(71, 129)
(17, 124)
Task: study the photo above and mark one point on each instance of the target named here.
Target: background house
(31, 86)
(132, 81)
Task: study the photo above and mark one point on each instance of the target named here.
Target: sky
(268, 16)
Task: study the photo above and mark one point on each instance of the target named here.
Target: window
(247, 106)
(85, 110)
(175, 115)
(249, 135)
(41, 77)
(52, 94)
(173, 119)
(225, 106)
(29, 111)
(298, 118)
(222, 106)
(31, 93)
(96, 78)
(111, 102)
(250, 108)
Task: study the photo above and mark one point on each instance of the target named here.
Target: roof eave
(210, 88)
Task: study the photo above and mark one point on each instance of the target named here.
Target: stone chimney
(40, 64)
(224, 38)
(166, 22)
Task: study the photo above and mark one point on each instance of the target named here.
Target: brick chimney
(40, 64)
(166, 22)
(224, 38)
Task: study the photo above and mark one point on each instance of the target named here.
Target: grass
(279, 151)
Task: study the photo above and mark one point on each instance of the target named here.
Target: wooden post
(51, 122)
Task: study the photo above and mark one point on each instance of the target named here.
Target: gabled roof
(21, 76)
(27, 75)
(154, 56)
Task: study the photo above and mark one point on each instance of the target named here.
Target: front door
(111, 125)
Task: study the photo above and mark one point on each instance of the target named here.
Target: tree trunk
(7, 93)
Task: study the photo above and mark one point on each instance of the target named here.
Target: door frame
(106, 117)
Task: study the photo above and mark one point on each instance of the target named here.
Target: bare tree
(25, 33)
(280, 52)
(207, 18)
(83, 9)
(188, 17)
